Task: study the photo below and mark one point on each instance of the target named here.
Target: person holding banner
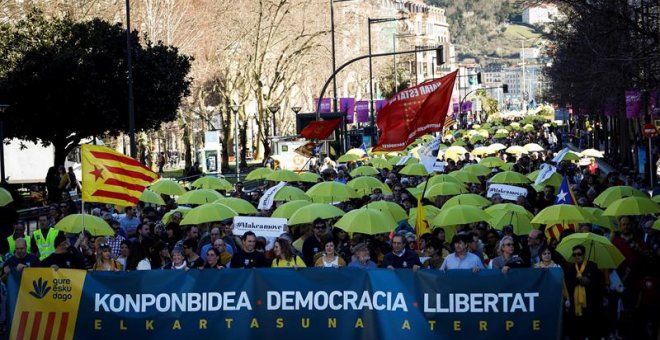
(507, 259)
(361, 259)
(401, 256)
(62, 257)
(329, 258)
(212, 260)
(284, 256)
(461, 258)
(178, 262)
(104, 260)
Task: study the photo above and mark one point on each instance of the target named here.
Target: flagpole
(419, 203)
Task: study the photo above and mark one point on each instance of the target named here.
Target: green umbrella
(289, 193)
(168, 187)
(656, 199)
(366, 221)
(459, 214)
(168, 215)
(287, 209)
(365, 185)
(467, 199)
(614, 193)
(149, 196)
(364, 171)
(437, 179)
(309, 177)
(592, 153)
(632, 206)
(199, 196)
(564, 214)
(283, 176)
(506, 207)
(76, 223)
(415, 169)
(210, 212)
(600, 220)
(430, 211)
(239, 205)
(445, 189)
(210, 182)
(395, 210)
(554, 180)
(309, 213)
(598, 250)
(533, 147)
(498, 147)
(521, 222)
(517, 150)
(492, 162)
(328, 192)
(380, 163)
(570, 156)
(356, 151)
(396, 159)
(258, 173)
(349, 157)
(5, 196)
(656, 224)
(510, 177)
(465, 176)
(507, 166)
(477, 169)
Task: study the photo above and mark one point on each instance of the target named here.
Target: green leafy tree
(66, 81)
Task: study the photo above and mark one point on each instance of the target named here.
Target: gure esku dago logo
(40, 288)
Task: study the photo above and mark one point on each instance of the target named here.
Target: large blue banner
(311, 303)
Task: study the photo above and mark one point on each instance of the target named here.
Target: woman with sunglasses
(104, 260)
(507, 259)
(284, 255)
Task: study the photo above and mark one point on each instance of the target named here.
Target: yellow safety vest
(12, 244)
(46, 244)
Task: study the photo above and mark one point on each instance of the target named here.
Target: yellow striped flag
(421, 223)
(110, 177)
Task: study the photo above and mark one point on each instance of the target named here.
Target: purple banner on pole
(654, 103)
(633, 104)
(326, 105)
(467, 106)
(362, 110)
(455, 107)
(379, 104)
(347, 106)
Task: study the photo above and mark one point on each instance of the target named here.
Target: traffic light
(505, 88)
(440, 55)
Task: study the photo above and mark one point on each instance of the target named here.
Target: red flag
(320, 129)
(413, 112)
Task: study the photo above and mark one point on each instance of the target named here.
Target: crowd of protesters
(599, 303)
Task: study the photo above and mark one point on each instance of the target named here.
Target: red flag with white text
(414, 112)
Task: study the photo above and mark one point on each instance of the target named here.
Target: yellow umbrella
(482, 150)
(456, 149)
(309, 177)
(656, 224)
(289, 193)
(459, 214)
(168, 187)
(76, 223)
(395, 210)
(258, 173)
(239, 205)
(564, 214)
(497, 146)
(477, 169)
(329, 192)
(465, 176)
(600, 220)
(287, 209)
(168, 215)
(492, 162)
(356, 151)
(632, 206)
(366, 221)
(598, 249)
(509, 177)
(210, 212)
(445, 189)
(380, 163)
(210, 182)
(656, 199)
(283, 176)
(365, 185)
(199, 196)
(364, 171)
(149, 196)
(414, 170)
(349, 157)
(614, 193)
(533, 147)
(429, 210)
(570, 156)
(437, 179)
(459, 142)
(592, 153)
(467, 199)
(5, 196)
(309, 213)
(517, 150)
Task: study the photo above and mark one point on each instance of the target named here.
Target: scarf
(580, 293)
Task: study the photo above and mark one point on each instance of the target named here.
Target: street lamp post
(3, 108)
(234, 109)
(371, 83)
(273, 109)
(334, 61)
(129, 64)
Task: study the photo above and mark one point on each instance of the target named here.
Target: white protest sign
(260, 226)
(266, 201)
(426, 156)
(508, 192)
(545, 173)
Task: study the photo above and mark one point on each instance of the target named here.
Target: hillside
(485, 29)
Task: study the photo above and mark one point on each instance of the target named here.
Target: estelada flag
(320, 129)
(421, 223)
(414, 112)
(110, 177)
